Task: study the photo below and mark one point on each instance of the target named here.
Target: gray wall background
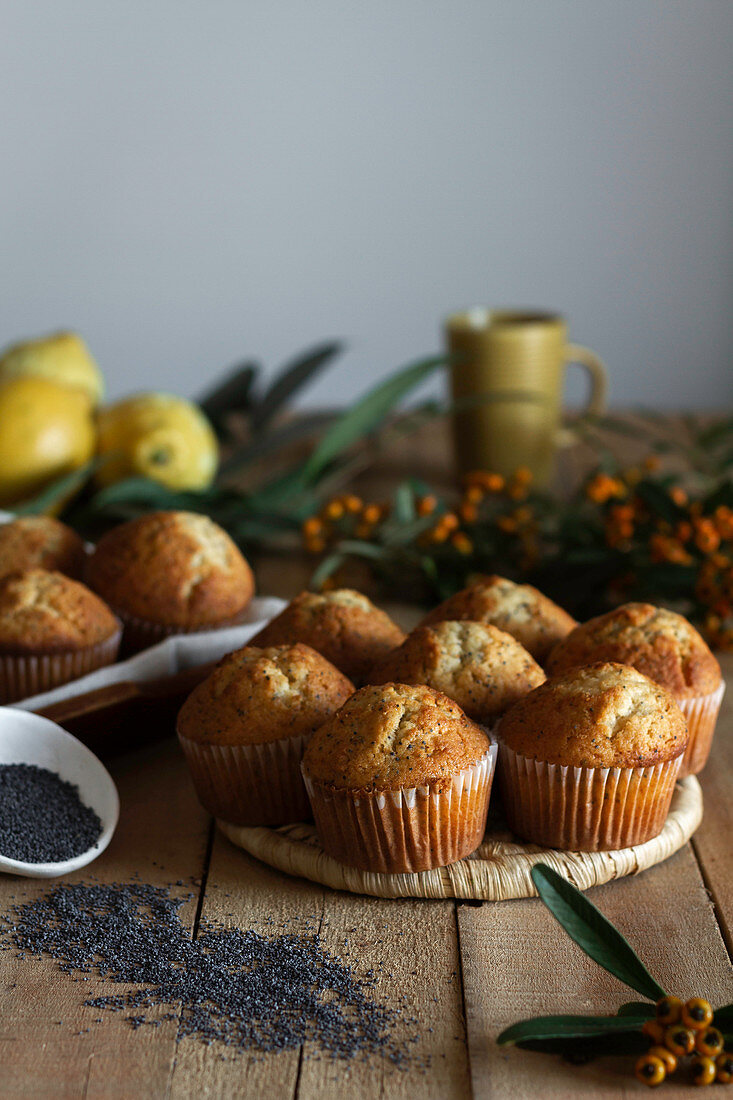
(189, 182)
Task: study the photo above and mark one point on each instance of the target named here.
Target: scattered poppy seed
(239, 988)
(42, 818)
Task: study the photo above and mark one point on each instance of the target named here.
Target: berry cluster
(678, 1030)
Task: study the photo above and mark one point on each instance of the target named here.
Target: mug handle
(584, 357)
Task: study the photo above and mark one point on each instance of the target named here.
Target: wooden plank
(712, 842)
(517, 963)
(416, 943)
(50, 1045)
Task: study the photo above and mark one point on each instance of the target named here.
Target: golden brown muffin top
(45, 612)
(657, 642)
(40, 542)
(174, 568)
(605, 715)
(343, 625)
(519, 609)
(394, 735)
(478, 666)
(257, 695)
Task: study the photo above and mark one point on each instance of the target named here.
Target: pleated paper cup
(583, 809)
(139, 634)
(22, 675)
(701, 712)
(408, 829)
(250, 784)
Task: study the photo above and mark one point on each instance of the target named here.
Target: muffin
(399, 780)
(243, 731)
(519, 609)
(52, 630)
(170, 573)
(589, 759)
(665, 647)
(476, 665)
(40, 542)
(343, 625)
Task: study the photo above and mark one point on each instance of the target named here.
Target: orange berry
(352, 503)
(468, 513)
(449, 521)
(372, 513)
(680, 1040)
(703, 1071)
(334, 509)
(709, 1041)
(650, 1071)
(669, 1010)
(315, 545)
(473, 494)
(696, 1014)
(462, 544)
(312, 526)
(666, 1056)
(654, 1029)
(426, 505)
(724, 1068)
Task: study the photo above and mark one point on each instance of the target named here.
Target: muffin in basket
(481, 668)
(243, 731)
(399, 780)
(170, 573)
(665, 647)
(342, 624)
(519, 609)
(40, 542)
(589, 759)
(52, 630)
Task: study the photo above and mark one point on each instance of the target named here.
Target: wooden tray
(497, 871)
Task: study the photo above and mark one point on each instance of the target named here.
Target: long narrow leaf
(568, 1027)
(593, 932)
(295, 375)
(234, 394)
(57, 491)
(367, 413)
(264, 444)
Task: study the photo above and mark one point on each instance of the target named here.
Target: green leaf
(404, 504)
(234, 394)
(587, 926)
(567, 1027)
(367, 414)
(57, 491)
(723, 1016)
(259, 446)
(292, 378)
(637, 1008)
(584, 1049)
(140, 489)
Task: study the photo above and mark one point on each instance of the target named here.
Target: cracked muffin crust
(519, 609)
(601, 716)
(478, 666)
(48, 612)
(657, 642)
(40, 542)
(342, 624)
(177, 569)
(394, 735)
(256, 695)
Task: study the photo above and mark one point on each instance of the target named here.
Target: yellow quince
(46, 430)
(62, 357)
(160, 436)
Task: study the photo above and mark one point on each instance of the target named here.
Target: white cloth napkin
(176, 654)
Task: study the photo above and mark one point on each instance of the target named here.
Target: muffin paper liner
(27, 674)
(250, 784)
(701, 712)
(139, 634)
(409, 829)
(585, 809)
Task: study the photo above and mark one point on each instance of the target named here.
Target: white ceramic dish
(29, 739)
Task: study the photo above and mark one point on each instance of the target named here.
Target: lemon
(160, 436)
(46, 430)
(62, 357)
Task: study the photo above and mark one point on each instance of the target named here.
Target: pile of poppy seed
(239, 988)
(42, 818)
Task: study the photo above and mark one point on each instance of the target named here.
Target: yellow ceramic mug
(507, 380)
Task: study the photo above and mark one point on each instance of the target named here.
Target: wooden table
(467, 970)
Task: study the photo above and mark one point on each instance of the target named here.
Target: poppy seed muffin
(589, 759)
(40, 542)
(399, 780)
(52, 630)
(244, 728)
(481, 668)
(667, 648)
(342, 624)
(170, 573)
(519, 609)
